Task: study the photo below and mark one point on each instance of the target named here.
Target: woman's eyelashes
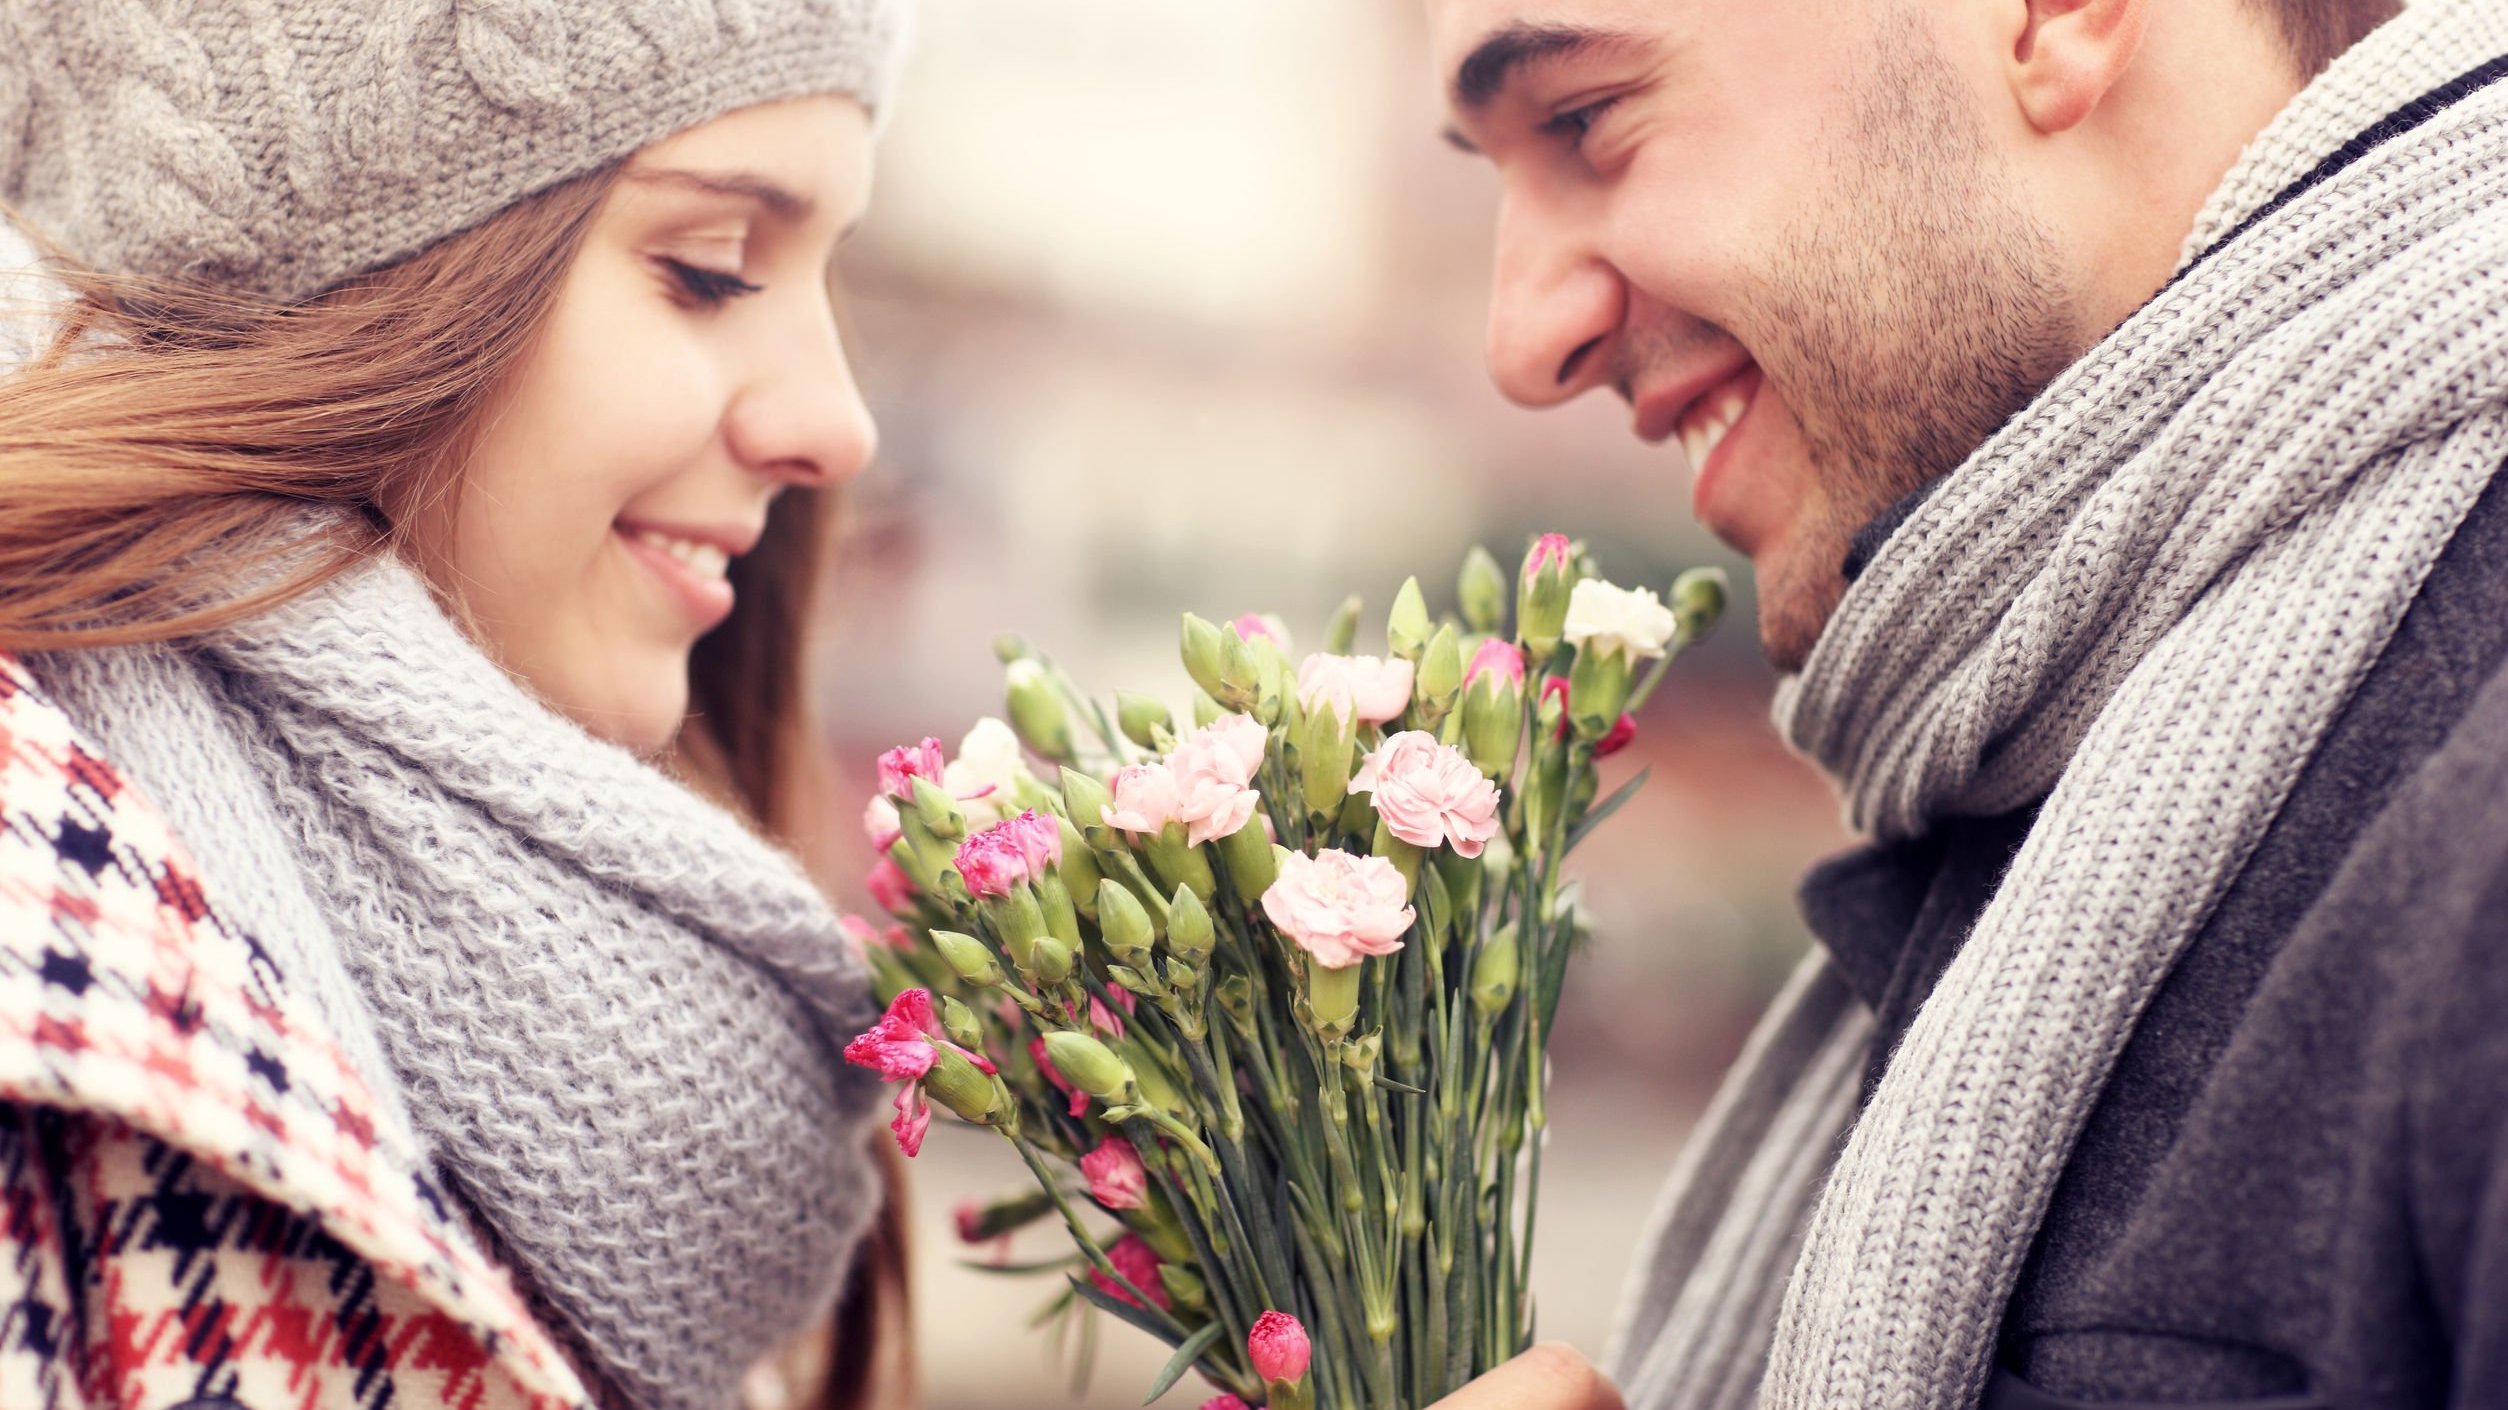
(707, 287)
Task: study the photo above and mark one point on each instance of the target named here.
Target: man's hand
(1551, 1376)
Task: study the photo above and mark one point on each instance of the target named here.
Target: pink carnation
(1137, 1261)
(1497, 656)
(1339, 907)
(1547, 550)
(901, 1047)
(1250, 625)
(1363, 688)
(1143, 798)
(901, 766)
(1622, 731)
(1277, 1347)
(890, 886)
(1210, 771)
(1010, 854)
(1116, 1177)
(1429, 794)
(1225, 1401)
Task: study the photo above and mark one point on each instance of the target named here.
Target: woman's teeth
(1707, 424)
(701, 558)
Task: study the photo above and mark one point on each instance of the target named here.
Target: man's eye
(708, 286)
(1574, 123)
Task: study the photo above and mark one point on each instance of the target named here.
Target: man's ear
(2067, 54)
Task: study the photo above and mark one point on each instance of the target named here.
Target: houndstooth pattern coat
(201, 1205)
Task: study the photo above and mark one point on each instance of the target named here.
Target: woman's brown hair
(150, 450)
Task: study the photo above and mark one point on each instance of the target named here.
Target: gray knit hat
(279, 146)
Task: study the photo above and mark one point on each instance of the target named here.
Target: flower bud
(1205, 709)
(1079, 870)
(1482, 590)
(1549, 577)
(970, 1091)
(1406, 630)
(1277, 1348)
(1240, 672)
(968, 958)
(1143, 718)
(1202, 651)
(1598, 686)
(1090, 1066)
(1084, 801)
(1697, 601)
(1493, 722)
(1341, 633)
(1049, 960)
(1495, 971)
(938, 812)
(1250, 867)
(958, 1021)
(1037, 710)
(1324, 760)
(1440, 677)
(1123, 924)
(1189, 933)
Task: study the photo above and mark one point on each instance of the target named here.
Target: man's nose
(1554, 307)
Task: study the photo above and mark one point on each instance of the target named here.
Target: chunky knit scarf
(606, 1006)
(2144, 600)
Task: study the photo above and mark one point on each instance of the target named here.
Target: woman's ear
(2067, 55)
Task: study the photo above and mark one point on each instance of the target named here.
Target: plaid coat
(201, 1206)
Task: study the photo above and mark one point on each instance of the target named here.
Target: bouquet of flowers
(1263, 1003)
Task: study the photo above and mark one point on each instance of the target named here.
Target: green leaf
(1594, 818)
(1047, 1266)
(1112, 1305)
(1182, 1361)
(1404, 1087)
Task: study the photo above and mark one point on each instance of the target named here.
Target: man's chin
(1796, 601)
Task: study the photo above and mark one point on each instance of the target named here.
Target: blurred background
(1168, 307)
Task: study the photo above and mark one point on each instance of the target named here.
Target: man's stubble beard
(1909, 315)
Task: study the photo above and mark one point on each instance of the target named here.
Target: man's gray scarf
(606, 1006)
(2144, 600)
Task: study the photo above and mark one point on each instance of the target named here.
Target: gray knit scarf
(2144, 600)
(606, 1006)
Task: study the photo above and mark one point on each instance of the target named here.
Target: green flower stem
(1088, 1245)
(1270, 1258)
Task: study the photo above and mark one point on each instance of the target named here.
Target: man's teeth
(1706, 427)
(702, 558)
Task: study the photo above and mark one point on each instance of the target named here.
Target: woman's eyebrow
(778, 200)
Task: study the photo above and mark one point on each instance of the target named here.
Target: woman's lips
(691, 572)
(1706, 432)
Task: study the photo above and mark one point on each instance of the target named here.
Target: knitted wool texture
(2150, 594)
(611, 1011)
(278, 146)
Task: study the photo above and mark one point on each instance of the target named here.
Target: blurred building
(1171, 306)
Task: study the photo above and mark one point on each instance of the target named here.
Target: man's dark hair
(2316, 31)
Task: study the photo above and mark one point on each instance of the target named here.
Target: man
(2107, 394)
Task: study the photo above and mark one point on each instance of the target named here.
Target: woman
(447, 384)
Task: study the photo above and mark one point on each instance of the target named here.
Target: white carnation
(1633, 620)
(989, 757)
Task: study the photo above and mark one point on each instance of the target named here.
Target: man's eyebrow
(1488, 69)
(780, 201)
(1503, 56)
